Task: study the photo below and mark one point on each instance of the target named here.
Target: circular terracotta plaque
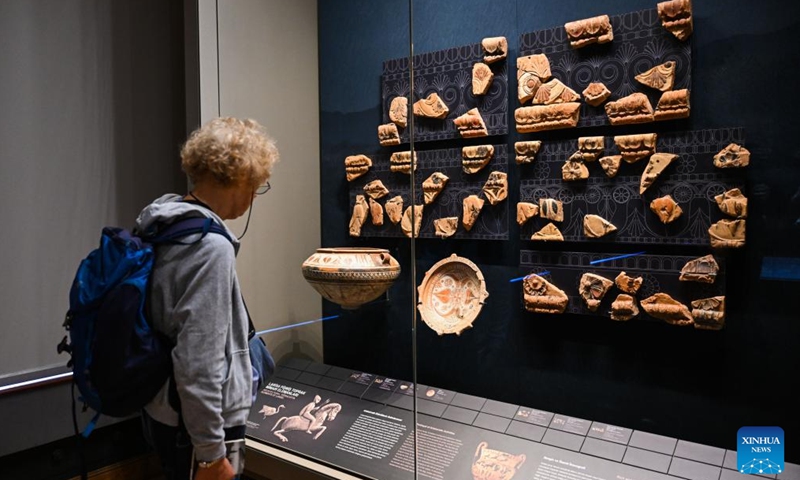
(451, 295)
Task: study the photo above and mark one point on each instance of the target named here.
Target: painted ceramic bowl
(451, 295)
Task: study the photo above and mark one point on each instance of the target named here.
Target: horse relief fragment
(388, 134)
(634, 108)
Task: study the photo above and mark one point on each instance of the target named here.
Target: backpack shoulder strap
(189, 226)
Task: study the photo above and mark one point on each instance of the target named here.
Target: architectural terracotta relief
(727, 233)
(709, 313)
(628, 284)
(547, 117)
(400, 162)
(635, 108)
(673, 104)
(405, 223)
(376, 189)
(431, 107)
(494, 49)
(593, 288)
(496, 187)
(376, 212)
(596, 93)
(526, 211)
(732, 156)
(702, 269)
(554, 91)
(676, 17)
(591, 147)
(356, 165)
(732, 203)
(394, 209)
(445, 227)
(472, 208)
(433, 186)
(526, 151)
(541, 296)
(532, 71)
(548, 233)
(658, 162)
(451, 295)
(661, 77)
(471, 124)
(489, 464)
(595, 226)
(574, 168)
(475, 157)
(666, 208)
(666, 308)
(624, 308)
(351, 276)
(551, 209)
(588, 31)
(359, 216)
(636, 147)
(482, 77)
(398, 111)
(610, 165)
(388, 134)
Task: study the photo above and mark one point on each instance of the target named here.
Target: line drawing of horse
(297, 422)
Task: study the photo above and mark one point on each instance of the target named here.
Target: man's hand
(221, 470)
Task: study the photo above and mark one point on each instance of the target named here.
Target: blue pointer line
(276, 329)
(594, 262)
(528, 275)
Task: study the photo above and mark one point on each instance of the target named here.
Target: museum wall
(699, 386)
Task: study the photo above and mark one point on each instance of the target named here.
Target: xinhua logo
(760, 450)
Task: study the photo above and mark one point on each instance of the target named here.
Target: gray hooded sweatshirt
(196, 301)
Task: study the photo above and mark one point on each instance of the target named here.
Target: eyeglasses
(263, 189)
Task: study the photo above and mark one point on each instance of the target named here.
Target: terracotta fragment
(553, 92)
(727, 234)
(541, 296)
(359, 216)
(595, 226)
(532, 71)
(405, 223)
(610, 165)
(551, 209)
(376, 189)
(482, 77)
(490, 464)
(433, 185)
(628, 284)
(588, 31)
(494, 49)
(548, 233)
(526, 211)
(474, 158)
(732, 156)
(635, 108)
(394, 209)
(472, 208)
(471, 124)
(676, 17)
(593, 288)
(445, 227)
(702, 269)
(624, 308)
(666, 308)
(673, 104)
(376, 212)
(661, 77)
(658, 162)
(388, 134)
(356, 165)
(574, 169)
(596, 93)
(666, 208)
(591, 147)
(636, 147)
(431, 107)
(709, 313)
(400, 162)
(451, 295)
(526, 151)
(496, 187)
(732, 203)
(547, 117)
(398, 111)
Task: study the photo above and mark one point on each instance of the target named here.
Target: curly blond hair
(228, 151)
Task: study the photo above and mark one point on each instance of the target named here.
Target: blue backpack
(119, 362)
